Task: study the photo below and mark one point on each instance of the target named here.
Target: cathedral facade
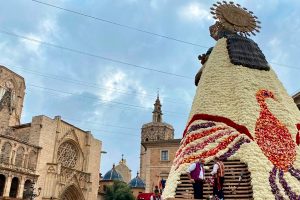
(48, 158)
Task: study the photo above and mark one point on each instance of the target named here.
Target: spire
(122, 161)
(157, 113)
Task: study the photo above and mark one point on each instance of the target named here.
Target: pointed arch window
(19, 157)
(5, 153)
(32, 160)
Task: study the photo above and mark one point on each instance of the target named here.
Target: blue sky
(113, 100)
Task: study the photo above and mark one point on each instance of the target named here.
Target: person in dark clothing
(156, 195)
(196, 173)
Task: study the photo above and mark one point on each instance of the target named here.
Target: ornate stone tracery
(24, 150)
(19, 157)
(67, 155)
(71, 192)
(32, 160)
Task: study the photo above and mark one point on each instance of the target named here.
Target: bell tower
(153, 132)
(12, 92)
(157, 129)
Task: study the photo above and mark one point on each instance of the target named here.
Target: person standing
(218, 173)
(156, 195)
(196, 174)
(162, 184)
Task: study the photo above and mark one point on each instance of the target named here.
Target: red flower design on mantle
(272, 136)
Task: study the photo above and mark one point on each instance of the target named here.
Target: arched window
(5, 153)
(19, 157)
(27, 189)
(67, 155)
(32, 160)
(14, 187)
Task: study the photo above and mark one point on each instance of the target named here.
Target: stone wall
(12, 81)
(154, 168)
(157, 131)
(66, 158)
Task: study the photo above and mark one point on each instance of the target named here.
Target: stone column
(12, 157)
(7, 186)
(25, 165)
(21, 188)
(23, 161)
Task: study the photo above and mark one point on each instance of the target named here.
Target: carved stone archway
(14, 187)
(72, 193)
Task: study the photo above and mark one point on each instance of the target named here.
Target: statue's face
(214, 31)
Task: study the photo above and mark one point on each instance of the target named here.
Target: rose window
(67, 155)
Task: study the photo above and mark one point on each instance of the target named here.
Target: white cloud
(48, 26)
(46, 30)
(117, 84)
(195, 11)
(31, 45)
(112, 82)
(277, 52)
(143, 98)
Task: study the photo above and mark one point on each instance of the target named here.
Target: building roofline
(20, 141)
(1, 66)
(21, 126)
(73, 126)
(63, 122)
(158, 124)
(159, 142)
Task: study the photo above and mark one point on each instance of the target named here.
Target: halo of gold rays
(235, 18)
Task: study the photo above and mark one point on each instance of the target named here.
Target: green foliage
(118, 191)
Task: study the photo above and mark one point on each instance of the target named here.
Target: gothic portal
(50, 154)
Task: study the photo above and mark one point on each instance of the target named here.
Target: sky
(80, 70)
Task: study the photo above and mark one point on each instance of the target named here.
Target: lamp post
(30, 192)
(101, 152)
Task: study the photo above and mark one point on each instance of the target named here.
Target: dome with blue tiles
(137, 182)
(113, 174)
